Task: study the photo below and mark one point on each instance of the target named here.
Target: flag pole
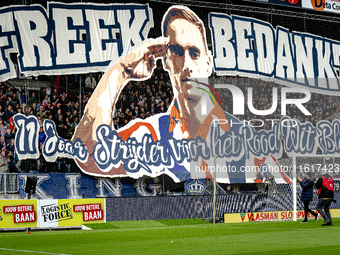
(214, 194)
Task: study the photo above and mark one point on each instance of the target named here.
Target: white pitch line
(40, 252)
(231, 226)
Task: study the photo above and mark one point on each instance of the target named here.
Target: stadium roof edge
(270, 10)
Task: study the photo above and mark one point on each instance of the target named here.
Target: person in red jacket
(326, 196)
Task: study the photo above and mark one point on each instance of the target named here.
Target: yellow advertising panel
(82, 211)
(18, 213)
(70, 212)
(51, 213)
(237, 217)
(268, 216)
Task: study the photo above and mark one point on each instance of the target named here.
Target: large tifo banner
(199, 136)
(51, 213)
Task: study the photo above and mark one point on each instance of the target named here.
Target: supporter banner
(77, 185)
(270, 216)
(322, 5)
(81, 38)
(296, 137)
(196, 187)
(196, 138)
(51, 213)
(69, 38)
(252, 48)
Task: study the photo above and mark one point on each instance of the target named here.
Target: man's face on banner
(187, 59)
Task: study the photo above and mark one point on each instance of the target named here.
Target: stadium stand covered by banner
(252, 91)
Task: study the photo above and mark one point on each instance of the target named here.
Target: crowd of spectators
(51, 104)
(139, 99)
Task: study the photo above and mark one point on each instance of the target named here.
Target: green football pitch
(191, 236)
